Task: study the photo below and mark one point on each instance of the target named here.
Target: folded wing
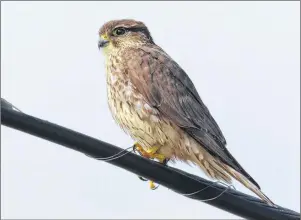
(166, 86)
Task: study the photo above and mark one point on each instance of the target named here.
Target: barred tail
(242, 179)
(211, 167)
(218, 170)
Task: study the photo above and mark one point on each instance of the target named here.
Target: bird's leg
(162, 159)
(150, 153)
(141, 151)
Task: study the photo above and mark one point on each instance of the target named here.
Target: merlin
(154, 101)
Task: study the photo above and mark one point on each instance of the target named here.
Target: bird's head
(117, 34)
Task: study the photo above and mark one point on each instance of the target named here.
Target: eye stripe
(141, 29)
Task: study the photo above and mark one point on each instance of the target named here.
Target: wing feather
(168, 88)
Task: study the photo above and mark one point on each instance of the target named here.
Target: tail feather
(211, 167)
(242, 179)
(216, 169)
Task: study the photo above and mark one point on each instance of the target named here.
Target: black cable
(231, 201)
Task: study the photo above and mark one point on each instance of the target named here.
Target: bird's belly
(135, 120)
(142, 122)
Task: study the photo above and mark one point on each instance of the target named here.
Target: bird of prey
(154, 101)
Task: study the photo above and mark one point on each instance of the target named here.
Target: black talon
(155, 188)
(165, 161)
(141, 178)
(134, 148)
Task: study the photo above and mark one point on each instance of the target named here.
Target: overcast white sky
(243, 57)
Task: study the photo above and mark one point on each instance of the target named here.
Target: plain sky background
(243, 57)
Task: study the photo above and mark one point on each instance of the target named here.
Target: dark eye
(119, 31)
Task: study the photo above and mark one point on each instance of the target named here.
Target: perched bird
(154, 101)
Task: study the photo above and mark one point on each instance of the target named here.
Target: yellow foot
(149, 153)
(152, 154)
(152, 185)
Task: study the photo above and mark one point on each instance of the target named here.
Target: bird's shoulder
(150, 66)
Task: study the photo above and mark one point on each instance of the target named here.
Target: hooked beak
(103, 41)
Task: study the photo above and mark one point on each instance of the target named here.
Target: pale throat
(108, 51)
(113, 50)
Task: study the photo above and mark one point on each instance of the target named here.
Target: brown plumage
(154, 101)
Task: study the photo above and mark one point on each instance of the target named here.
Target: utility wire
(179, 181)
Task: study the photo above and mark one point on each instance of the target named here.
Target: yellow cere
(104, 36)
(107, 48)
